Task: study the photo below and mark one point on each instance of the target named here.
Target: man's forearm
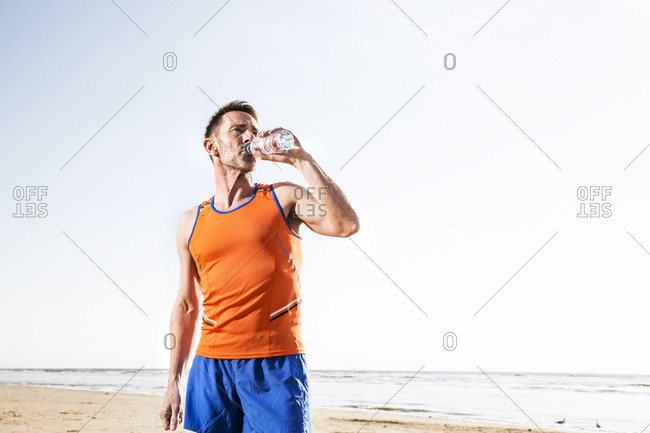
(183, 324)
(326, 191)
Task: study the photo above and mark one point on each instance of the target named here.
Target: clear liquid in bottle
(277, 142)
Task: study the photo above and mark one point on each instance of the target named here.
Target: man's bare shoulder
(188, 215)
(285, 189)
(284, 184)
(186, 222)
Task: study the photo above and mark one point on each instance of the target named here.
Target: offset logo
(29, 201)
(309, 209)
(449, 341)
(596, 198)
(169, 341)
(450, 61)
(170, 61)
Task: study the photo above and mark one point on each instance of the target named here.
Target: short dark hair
(235, 105)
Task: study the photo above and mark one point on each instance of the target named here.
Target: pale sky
(468, 179)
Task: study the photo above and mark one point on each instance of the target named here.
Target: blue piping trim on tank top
(290, 260)
(275, 198)
(192, 232)
(232, 210)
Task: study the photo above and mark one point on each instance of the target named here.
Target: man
(241, 250)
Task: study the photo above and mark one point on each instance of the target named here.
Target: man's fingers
(164, 416)
(177, 416)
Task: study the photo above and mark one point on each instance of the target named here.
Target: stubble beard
(237, 162)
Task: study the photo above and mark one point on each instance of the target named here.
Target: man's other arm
(183, 322)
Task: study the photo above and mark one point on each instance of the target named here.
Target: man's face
(235, 131)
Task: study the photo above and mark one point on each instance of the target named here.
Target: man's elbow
(350, 228)
(187, 308)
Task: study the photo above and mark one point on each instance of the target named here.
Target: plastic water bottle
(276, 142)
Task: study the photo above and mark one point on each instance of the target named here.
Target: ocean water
(619, 403)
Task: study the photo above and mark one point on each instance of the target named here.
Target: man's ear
(210, 146)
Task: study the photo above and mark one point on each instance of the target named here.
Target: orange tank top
(249, 261)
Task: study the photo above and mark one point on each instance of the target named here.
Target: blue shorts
(261, 395)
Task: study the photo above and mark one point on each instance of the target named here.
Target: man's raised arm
(323, 207)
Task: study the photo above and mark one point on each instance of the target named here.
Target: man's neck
(232, 186)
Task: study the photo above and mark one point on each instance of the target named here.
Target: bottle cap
(248, 149)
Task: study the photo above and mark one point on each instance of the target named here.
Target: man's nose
(248, 137)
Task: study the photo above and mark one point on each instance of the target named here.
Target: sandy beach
(33, 409)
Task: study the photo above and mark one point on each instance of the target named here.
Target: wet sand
(33, 409)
